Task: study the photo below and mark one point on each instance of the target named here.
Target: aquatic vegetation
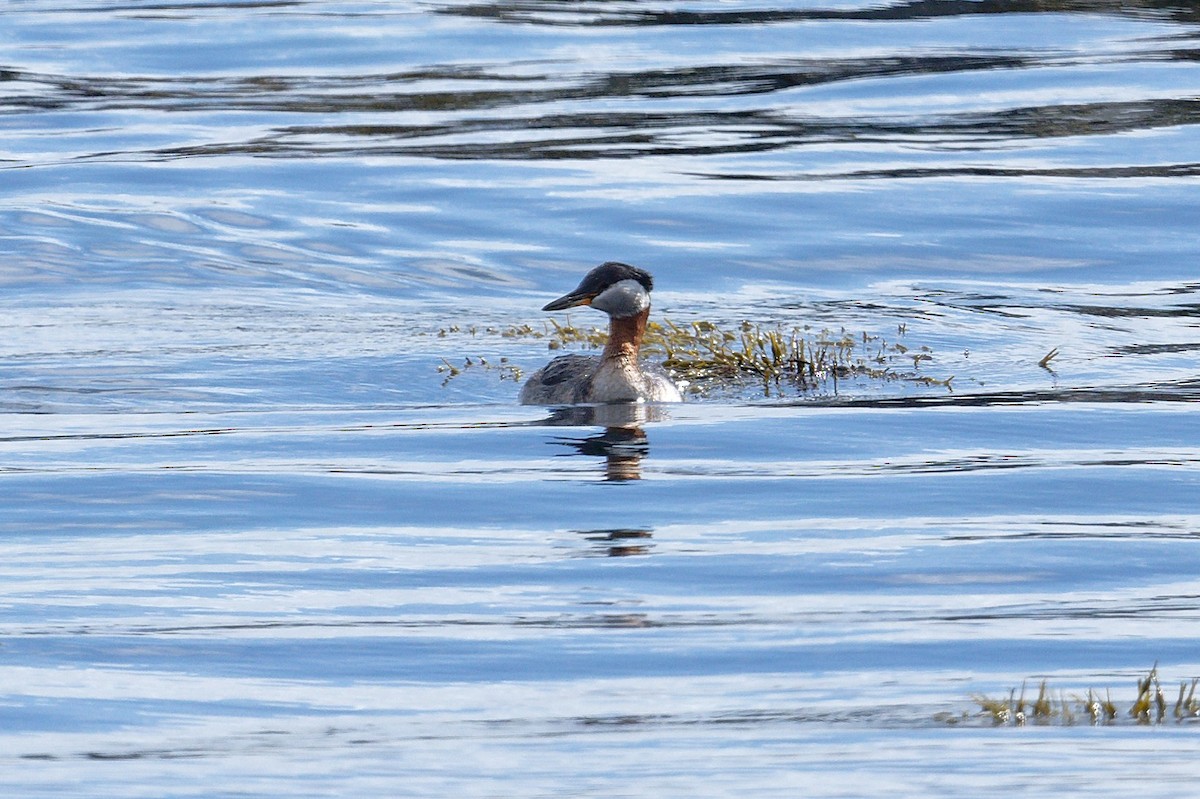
(506, 370)
(707, 356)
(1150, 706)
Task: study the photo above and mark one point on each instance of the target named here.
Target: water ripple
(548, 108)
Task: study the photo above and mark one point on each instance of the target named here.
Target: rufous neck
(625, 335)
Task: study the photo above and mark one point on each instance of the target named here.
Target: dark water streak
(603, 13)
(304, 115)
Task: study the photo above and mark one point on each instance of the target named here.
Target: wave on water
(887, 102)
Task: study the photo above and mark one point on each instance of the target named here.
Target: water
(254, 545)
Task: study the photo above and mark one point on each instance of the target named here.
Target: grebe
(623, 292)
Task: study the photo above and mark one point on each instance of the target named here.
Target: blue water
(254, 543)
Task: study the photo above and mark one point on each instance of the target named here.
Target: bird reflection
(621, 447)
(620, 542)
(623, 444)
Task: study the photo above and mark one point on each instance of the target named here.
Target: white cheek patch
(623, 298)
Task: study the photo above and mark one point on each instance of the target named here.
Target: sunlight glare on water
(255, 543)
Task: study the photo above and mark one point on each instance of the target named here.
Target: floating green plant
(710, 356)
(1047, 358)
(1150, 706)
(506, 370)
(706, 354)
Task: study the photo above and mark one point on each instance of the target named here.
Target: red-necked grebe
(623, 292)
